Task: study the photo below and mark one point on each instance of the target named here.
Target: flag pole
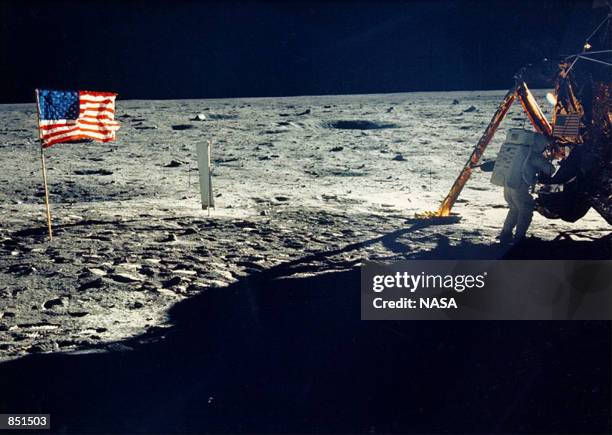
(44, 170)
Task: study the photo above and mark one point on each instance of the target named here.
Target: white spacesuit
(519, 162)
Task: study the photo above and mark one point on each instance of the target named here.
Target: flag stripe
(81, 121)
(58, 134)
(96, 113)
(95, 106)
(66, 130)
(78, 137)
(100, 124)
(59, 123)
(75, 131)
(97, 100)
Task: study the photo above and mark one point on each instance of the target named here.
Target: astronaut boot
(505, 238)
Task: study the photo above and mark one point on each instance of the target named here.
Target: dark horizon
(188, 49)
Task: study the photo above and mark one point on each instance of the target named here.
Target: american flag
(66, 116)
(567, 125)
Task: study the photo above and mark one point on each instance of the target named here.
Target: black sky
(190, 49)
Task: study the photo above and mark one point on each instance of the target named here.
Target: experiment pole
(205, 173)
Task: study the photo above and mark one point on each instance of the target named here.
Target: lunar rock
(174, 281)
(96, 271)
(94, 283)
(173, 164)
(124, 278)
(169, 238)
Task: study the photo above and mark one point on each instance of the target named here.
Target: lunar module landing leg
(535, 115)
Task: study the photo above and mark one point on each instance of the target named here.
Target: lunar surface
(306, 185)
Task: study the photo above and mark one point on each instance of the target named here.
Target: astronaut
(520, 162)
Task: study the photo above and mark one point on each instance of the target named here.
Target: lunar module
(578, 137)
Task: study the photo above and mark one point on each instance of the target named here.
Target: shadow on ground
(276, 352)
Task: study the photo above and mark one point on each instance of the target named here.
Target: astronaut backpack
(513, 154)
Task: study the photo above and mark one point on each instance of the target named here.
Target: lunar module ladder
(537, 119)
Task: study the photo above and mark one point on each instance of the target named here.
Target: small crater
(92, 172)
(182, 127)
(359, 124)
